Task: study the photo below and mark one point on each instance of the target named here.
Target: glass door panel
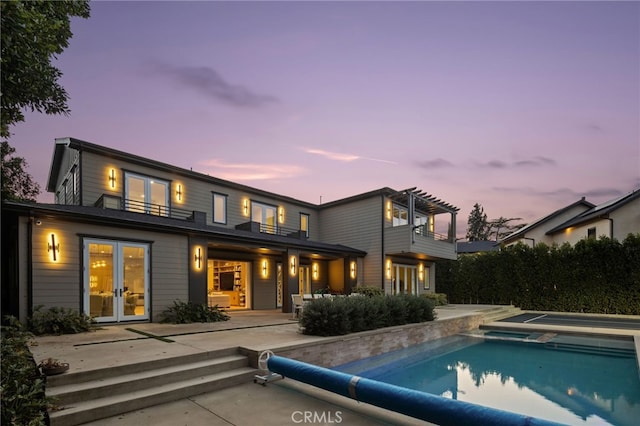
(135, 194)
(134, 280)
(158, 199)
(304, 283)
(101, 279)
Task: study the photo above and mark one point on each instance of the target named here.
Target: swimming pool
(568, 379)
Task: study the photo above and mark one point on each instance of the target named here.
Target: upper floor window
(75, 185)
(400, 216)
(146, 195)
(265, 215)
(304, 223)
(591, 233)
(219, 208)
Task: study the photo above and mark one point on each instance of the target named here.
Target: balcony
(117, 203)
(272, 229)
(417, 240)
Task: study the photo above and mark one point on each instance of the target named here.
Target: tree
(477, 229)
(17, 184)
(502, 227)
(34, 33)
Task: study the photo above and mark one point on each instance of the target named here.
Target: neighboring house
(127, 236)
(615, 219)
(475, 247)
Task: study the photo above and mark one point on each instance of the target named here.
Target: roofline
(178, 227)
(386, 191)
(594, 213)
(534, 224)
(81, 145)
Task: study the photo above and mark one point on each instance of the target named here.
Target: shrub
(189, 312)
(439, 299)
(343, 315)
(21, 385)
(368, 291)
(59, 321)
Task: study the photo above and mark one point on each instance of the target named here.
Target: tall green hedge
(596, 276)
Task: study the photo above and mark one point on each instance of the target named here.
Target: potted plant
(51, 367)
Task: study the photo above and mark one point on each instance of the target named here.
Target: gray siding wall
(264, 289)
(60, 283)
(197, 195)
(358, 225)
(626, 220)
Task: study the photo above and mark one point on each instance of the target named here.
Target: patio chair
(297, 305)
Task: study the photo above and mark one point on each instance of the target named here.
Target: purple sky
(523, 107)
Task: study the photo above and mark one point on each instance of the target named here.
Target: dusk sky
(523, 107)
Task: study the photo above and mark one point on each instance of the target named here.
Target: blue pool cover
(420, 405)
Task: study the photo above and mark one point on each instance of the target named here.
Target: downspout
(610, 227)
(382, 252)
(29, 268)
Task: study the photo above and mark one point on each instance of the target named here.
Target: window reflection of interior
(400, 216)
(146, 195)
(265, 216)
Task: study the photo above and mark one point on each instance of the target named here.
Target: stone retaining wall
(340, 350)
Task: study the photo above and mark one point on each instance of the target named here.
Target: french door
(405, 279)
(116, 280)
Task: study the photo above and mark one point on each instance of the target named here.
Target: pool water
(571, 380)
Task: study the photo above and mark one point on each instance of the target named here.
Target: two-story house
(127, 236)
(614, 219)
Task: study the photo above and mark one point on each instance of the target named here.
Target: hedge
(596, 276)
(344, 315)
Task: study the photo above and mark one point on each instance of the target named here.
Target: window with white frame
(265, 215)
(219, 208)
(145, 194)
(400, 215)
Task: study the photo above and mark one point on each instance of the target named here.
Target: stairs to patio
(96, 394)
(499, 312)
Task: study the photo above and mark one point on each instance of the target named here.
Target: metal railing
(422, 230)
(281, 230)
(155, 209)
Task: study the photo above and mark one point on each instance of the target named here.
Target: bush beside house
(344, 315)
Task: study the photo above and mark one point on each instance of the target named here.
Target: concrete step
(95, 389)
(121, 389)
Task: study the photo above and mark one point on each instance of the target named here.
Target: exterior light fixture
(388, 268)
(280, 214)
(179, 192)
(245, 207)
(53, 248)
(292, 265)
(421, 272)
(264, 268)
(315, 271)
(198, 258)
(389, 210)
(352, 269)
(112, 178)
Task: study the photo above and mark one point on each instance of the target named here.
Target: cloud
(208, 82)
(532, 162)
(594, 128)
(347, 158)
(250, 171)
(563, 193)
(438, 163)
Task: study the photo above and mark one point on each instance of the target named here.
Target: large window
(400, 216)
(219, 208)
(146, 195)
(265, 215)
(304, 223)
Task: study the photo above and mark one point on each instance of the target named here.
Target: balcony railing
(422, 230)
(272, 229)
(156, 209)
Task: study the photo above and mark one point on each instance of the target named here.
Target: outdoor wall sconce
(389, 269)
(432, 223)
(198, 258)
(179, 192)
(264, 269)
(389, 210)
(292, 265)
(112, 178)
(53, 248)
(245, 207)
(280, 214)
(315, 271)
(421, 272)
(353, 270)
